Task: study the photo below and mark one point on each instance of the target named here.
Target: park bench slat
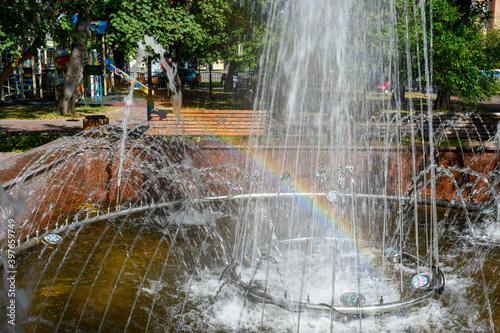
(209, 123)
(162, 130)
(220, 111)
(474, 126)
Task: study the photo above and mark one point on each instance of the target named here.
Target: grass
(21, 142)
(442, 143)
(18, 143)
(215, 84)
(198, 100)
(192, 99)
(454, 143)
(21, 112)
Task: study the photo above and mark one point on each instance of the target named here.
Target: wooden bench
(241, 123)
(454, 125)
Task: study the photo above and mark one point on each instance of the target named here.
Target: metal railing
(216, 76)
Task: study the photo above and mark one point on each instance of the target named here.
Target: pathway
(72, 126)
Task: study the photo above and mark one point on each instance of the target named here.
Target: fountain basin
(83, 173)
(72, 191)
(129, 261)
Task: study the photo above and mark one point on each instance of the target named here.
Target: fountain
(327, 222)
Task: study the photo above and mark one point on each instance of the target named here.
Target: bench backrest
(211, 123)
(454, 125)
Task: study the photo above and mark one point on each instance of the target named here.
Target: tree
(186, 29)
(492, 46)
(246, 26)
(69, 95)
(461, 55)
(23, 28)
(207, 30)
(78, 37)
(461, 61)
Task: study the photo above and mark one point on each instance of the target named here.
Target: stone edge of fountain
(10, 168)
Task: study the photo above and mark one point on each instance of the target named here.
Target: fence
(216, 76)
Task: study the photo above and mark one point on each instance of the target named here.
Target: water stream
(163, 272)
(334, 220)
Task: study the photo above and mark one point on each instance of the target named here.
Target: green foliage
(207, 30)
(462, 54)
(492, 46)
(250, 34)
(62, 32)
(21, 21)
(21, 142)
(460, 58)
(186, 29)
(246, 27)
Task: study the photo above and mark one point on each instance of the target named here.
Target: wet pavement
(138, 113)
(5, 156)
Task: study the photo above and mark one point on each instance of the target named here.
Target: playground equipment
(26, 79)
(124, 76)
(43, 75)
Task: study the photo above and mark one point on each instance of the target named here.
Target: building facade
(494, 8)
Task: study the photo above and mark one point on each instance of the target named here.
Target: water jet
(325, 221)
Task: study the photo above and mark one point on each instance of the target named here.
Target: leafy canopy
(460, 57)
(189, 29)
(24, 21)
(462, 54)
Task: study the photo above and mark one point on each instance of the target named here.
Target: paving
(72, 126)
(6, 156)
(137, 114)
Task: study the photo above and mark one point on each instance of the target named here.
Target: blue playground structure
(42, 76)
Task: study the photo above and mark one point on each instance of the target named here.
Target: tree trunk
(210, 79)
(228, 84)
(443, 99)
(398, 93)
(177, 58)
(78, 53)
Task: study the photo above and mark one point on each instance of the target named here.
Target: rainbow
(323, 211)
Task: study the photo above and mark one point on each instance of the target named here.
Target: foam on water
(229, 311)
(144, 238)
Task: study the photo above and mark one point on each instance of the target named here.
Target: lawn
(219, 100)
(22, 112)
(21, 142)
(18, 143)
(192, 99)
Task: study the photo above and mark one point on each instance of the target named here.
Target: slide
(125, 76)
